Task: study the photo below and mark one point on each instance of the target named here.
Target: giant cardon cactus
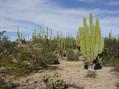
(91, 40)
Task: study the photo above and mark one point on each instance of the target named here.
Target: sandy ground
(73, 73)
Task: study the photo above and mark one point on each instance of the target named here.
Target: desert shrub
(9, 58)
(12, 65)
(111, 52)
(7, 84)
(27, 59)
(38, 58)
(52, 59)
(20, 59)
(54, 82)
(8, 50)
(71, 55)
(111, 62)
(48, 52)
(70, 42)
(7, 47)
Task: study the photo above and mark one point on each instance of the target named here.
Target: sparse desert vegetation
(87, 61)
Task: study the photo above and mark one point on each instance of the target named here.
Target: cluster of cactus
(53, 82)
(70, 41)
(60, 41)
(90, 39)
(65, 43)
(42, 35)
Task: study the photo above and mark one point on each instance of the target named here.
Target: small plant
(72, 56)
(54, 82)
(7, 84)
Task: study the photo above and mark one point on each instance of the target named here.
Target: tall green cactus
(91, 40)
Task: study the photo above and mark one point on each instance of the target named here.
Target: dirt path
(73, 73)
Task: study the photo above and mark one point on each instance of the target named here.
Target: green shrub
(13, 66)
(114, 62)
(20, 59)
(35, 58)
(54, 82)
(110, 55)
(51, 58)
(7, 84)
(72, 56)
(27, 59)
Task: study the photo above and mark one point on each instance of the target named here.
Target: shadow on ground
(117, 85)
(91, 74)
(52, 67)
(74, 86)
